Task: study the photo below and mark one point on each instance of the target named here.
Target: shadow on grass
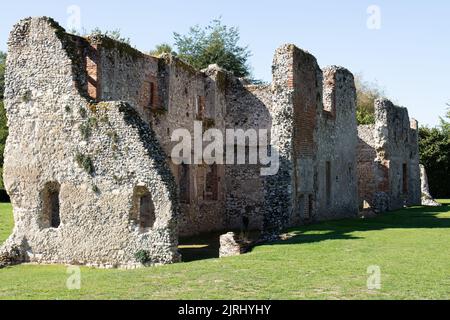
(206, 246)
(202, 247)
(410, 218)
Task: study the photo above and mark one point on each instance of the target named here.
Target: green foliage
(142, 256)
(366, 94)
(113, 34)
(3, 131)
(95, 189)
(93, 122)
(445, 124)
(83, 112)
(113, 136)
(214, 44)
(85, 162)
(161, 49)
(85, 130)
(2, 185)
(2, 73)
(434, 145)
(26, 97)
(364, 117)
(87, 127)
(3, 122)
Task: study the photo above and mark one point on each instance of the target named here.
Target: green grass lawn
(323, 261)
(6, 221)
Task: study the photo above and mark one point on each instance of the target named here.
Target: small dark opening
(328, 182)
(143, 208)
(152, 94)
(51, 205)
(184, 174)
(146, 212)
(310, 206)
(301, 206)
(405, 178)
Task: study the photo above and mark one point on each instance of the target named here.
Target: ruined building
(388, 159)
(88, 161)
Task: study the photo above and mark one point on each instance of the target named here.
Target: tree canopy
(113, 34)
(366, 94)
(3, 127)
(434, 144)
(161, 49)
(2, 73)
(215, 43)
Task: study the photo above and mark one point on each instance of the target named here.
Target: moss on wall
(124, 49)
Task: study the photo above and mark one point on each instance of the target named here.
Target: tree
(113, 34)
(3, 136)
(445, 124)
(161, 49)
(366, 94)
(434, 145)
(214, 44)
(3, 127)
(2, 73)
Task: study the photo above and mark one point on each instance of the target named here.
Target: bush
(85, 130)
(85, 162)
(142, 256)
(215, 43)
(366, 94)
(434, 145)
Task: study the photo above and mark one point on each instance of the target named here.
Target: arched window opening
(143, 208)
(184, 183)
(405, 179)
(51, 205)
(328, 182)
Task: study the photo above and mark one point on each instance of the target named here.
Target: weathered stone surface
(248, 107)
(381, 202)
(231, 245)
(9, 256)
(96, 170)
(314, 131)
(89, 164)
(427, 199)
(336, 154)
(388, 159)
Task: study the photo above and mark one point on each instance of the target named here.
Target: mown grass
(323, 261)
(6, 221)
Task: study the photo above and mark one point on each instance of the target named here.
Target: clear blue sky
(408, 56)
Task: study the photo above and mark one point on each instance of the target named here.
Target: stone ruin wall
(248, 107)
(306, 135)
(391, 179)
(194, 96)
(306, 80)
(314, 131)
(427, 199)
(309, 112)
(233, 104)
(372, 174)
(169, 95)
(336, 154)
(96, 175)
(278, 188)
